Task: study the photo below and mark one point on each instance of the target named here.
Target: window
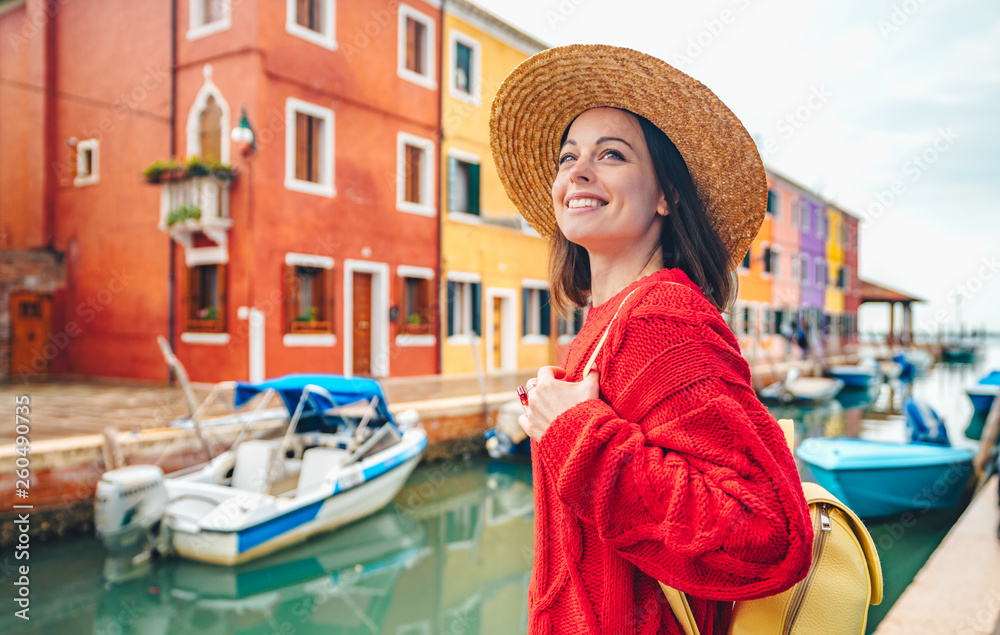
(312, 20)
(745, 321)
(797, 212)
(765, 258)
(415, 175)
(822, 224)
(205, 299)
(87, 163)
(309, 148)
(746, 261)
(535, 311)
(842, 278)
(807, 214)
(766, 320)
(416, 299)
(308, 286)
(772, 203)
(416, 47)
(775, 262)
(463, 184)
(210, 130)
(806, 262)
(464, 305)
(568, 327)
(796, 267)
(208, 16)
(464, 68)
(820, 273)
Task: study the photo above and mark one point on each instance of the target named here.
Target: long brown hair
(687, 240)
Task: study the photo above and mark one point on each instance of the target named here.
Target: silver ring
(531, 383)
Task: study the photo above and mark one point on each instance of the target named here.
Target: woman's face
(606, 195)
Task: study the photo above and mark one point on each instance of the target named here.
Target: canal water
(451, 555)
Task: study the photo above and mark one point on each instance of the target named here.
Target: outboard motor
(128, 506)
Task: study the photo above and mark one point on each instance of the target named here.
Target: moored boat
(876, 478)
(343, 456)
(864, 374)
(797, 389)
(983, 392)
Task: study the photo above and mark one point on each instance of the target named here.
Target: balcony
(195, 212)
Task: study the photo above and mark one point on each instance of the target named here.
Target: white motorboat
(342, 457)
(797, 389)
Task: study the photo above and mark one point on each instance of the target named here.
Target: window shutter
(473, 188)
(223, 296)
(315, 136)
(452, 183)
(301, 146)
(525, 308)
(451, 308)
(476, 308)
(288, 288)
(543, 301)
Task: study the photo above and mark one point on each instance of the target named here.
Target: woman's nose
(581, 171)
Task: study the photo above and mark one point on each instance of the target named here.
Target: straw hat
(542, 96)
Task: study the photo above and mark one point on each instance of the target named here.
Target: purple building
(812, 257)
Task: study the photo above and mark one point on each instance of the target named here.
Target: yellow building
(833, 303)
(495, 313)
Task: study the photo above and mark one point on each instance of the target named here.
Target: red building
(313, 249)
(852, 284)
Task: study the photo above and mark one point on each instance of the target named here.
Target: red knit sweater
(678, 473)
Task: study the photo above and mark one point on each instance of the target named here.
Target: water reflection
(452, 554)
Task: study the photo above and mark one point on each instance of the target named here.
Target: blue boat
(865, 374)
(984, 392)
(877, 479)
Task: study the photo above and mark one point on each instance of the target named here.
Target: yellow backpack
(844, 578)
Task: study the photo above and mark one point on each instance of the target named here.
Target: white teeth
(585, 202)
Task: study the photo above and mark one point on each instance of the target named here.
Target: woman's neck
(609, 275)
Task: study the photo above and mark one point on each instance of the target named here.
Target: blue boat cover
(343, 390)
(924, 424)
(859, 454)
(993, 379)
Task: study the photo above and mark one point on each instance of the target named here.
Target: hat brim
(545, 93)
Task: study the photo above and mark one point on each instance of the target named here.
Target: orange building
(313, 249)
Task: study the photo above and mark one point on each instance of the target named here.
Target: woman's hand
(549, 397)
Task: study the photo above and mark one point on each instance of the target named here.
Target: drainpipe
(171, 277)
(50, 138)
(441, 211)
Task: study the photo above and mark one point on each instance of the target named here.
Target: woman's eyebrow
(569, 142)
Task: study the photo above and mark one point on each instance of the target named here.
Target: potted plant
(154, 171)
(184, 212)
(222, 171)
(196, 167)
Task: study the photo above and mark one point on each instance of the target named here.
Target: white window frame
(468, 334)
(796, 276)
(309, 339)
(534, 335)
(94, 176)
(775, 262)
(821, 224)
(475, 68)
(465, 217)
(408, 271)
(427, 166)
(197, 27)
(327, 37)
(820, 268)
(806, 269)
(764, 246)
(428, 80)
(326, 185)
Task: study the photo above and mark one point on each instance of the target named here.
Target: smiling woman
(660, 464)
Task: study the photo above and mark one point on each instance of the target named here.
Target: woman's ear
(662, 209)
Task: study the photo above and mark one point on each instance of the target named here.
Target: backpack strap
(604, 336)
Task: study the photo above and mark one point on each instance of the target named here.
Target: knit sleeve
(679, 467)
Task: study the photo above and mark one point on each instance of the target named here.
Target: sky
(889, 109)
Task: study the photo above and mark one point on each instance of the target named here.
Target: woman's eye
(565, 158)
(614, 154)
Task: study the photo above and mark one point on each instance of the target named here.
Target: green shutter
(452, 184)
(474, 188)
(476, 308)
(525, 305)
(451, 308)
(543, 300)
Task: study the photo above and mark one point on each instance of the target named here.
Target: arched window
(210, 124)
